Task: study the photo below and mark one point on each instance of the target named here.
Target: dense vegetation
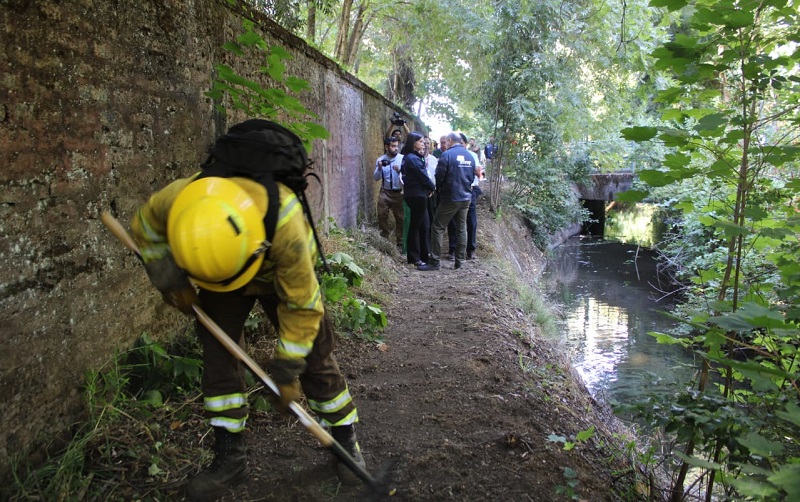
(700, 98)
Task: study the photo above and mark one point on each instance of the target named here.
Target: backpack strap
(273, 207)
(250, 149)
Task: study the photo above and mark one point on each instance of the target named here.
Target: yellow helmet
(216, 233)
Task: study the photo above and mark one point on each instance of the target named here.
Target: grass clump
(135, 405)
(143, 428)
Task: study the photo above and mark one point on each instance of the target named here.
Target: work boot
(457, 265)
(346, 436)
(228, 467)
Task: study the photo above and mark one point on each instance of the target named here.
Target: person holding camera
(398, 128)
(390, 198)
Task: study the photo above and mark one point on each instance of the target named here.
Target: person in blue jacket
(455, 173)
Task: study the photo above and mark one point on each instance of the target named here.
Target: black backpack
(266, 152)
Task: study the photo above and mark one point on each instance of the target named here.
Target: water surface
(609, 298)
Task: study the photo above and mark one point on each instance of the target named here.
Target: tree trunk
(311, 22)
(343, 30)
(356, 35)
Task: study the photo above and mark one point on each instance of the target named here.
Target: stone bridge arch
(599, 196)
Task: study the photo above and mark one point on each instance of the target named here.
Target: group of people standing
(438, 189)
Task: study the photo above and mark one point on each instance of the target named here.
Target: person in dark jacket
(417, 188)
(454, 175)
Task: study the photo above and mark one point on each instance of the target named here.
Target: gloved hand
(285, 373)
(172, 282)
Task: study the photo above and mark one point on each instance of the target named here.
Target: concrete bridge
(598, 197)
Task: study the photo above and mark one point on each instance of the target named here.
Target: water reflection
(609, 303)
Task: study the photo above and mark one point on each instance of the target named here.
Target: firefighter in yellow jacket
(209, 232)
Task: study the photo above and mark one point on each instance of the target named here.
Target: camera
(385, 162)
(397, 119)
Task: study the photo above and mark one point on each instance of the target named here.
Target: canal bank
(463, 400)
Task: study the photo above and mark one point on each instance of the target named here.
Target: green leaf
(711, 122)
(697, 462)
(632, 195)
(281, 52)
(187, 366)
(738, 19)
(154, 469)
(234, 48)
(672, 114)
(639, 133)
(316, 131)
(752, 487)
(275, 68)
(153, 398)
(584, 435)
(250, 38)
(730, 229)
(759, 445)
(297, 84)
(787, 477)
(731, 322)
(334, 288)
(664, 339)
(671, 5)
(655, 178)
(792, 414)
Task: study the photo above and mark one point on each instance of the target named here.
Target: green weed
(569, 488)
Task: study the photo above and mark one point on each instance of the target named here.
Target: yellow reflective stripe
(289, 207)
(157, 246)
(351, 418)
(310, 305)
(293, 350)
(331, 405)
(232, 424)
(154, 252)
(222, 403)
(149, 234)
(312, 244)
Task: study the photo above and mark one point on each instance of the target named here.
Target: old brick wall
(101, 103)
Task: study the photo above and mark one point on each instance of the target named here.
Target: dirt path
(462, 401)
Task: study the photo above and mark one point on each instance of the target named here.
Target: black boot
(228, 467)
(345, 435)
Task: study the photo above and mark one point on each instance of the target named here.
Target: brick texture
(101, 103)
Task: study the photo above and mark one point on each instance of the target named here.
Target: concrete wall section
(102, 103)
(606, 186)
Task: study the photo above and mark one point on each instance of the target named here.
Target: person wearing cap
(203, 240)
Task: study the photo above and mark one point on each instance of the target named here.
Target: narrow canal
(609, 301)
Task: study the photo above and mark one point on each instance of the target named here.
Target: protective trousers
(224, 388)
(390, 203)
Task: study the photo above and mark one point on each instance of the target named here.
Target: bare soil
(458, 404)
(464, 401)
